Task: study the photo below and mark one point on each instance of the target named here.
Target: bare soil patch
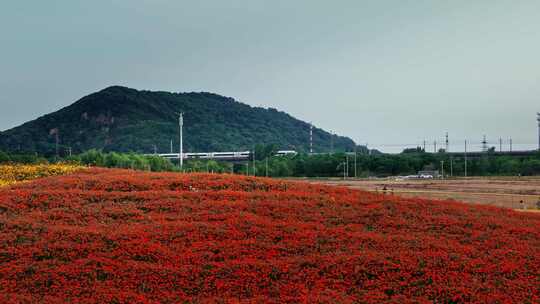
(508, 192)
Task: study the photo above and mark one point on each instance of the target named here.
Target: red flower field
(118, 236)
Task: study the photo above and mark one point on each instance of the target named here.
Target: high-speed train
(224, 155)
(286, 152)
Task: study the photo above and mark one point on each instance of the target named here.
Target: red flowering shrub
(117, 236)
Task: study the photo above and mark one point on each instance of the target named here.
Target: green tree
(4, 157)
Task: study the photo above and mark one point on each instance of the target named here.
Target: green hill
(123, 119)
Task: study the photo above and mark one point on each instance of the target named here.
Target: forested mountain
(123, 119)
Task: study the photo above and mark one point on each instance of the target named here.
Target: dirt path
(509, 192)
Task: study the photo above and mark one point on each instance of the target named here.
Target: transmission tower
(484, 145)
(447, 143)
(538, 119)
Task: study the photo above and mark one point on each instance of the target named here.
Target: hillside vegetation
(123, 120)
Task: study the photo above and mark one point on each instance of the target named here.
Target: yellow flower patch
(11, 174)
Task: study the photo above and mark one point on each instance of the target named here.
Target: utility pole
(181, 148)
(310, 138)
(267, 166)
(465, 158)
(347, 162)
(538, 119)
(57, 141)
(500, 144)
(355, 168)
(171, 147)
(510, 144)
(435, 146)
(424, 145)
(442, 169)
(254, 165)
(331, 142)
(343, 171)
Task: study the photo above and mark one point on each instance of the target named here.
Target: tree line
(265, 163)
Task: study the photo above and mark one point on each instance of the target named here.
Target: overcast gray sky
(383, 72)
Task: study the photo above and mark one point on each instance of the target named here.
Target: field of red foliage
(118, 236)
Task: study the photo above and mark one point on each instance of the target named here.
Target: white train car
(238, 155)
(286, 152)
